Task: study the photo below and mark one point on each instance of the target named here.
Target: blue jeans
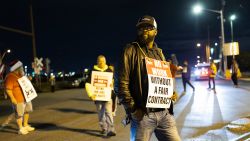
(104, 109)
(161, 123)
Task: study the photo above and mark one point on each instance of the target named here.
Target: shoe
(111, 133)
(23, 131)
(104, 132)
(209, 89)
(2, 126)
(29, 128)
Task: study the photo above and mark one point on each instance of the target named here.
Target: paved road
(198, 113)
(68, 115)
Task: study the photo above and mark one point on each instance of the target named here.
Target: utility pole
(32, 33)
(208, 46)
(223, 3)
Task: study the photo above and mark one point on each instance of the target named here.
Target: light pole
(198, 9)
(2, 66)
(32, 33)
(3, 55)
(232, 18)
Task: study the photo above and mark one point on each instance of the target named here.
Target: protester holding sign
(174, 68)
(14, 91)
(99, 87)
(146, 86)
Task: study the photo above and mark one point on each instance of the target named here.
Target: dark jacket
(133, 80)
(187, 74)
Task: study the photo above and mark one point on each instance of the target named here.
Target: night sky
(72, 33)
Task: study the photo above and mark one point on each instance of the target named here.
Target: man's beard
(146, 38)
(21, 73)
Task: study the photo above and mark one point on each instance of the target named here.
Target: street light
(197, 9)
(212, 51)
(198, 45)
(3, 55)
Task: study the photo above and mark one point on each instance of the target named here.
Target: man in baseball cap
(134, 85)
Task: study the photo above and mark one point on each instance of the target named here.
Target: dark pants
(52, 88)
(209, 85)
(234, 79)
(186, 81)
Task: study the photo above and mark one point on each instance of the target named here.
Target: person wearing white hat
(14, 91)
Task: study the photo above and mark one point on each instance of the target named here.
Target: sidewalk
(238, 130)
(245, 79)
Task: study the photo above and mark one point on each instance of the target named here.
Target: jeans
(211, 79)
(234, 78)
(186, 81)
(161, 123)
(104, 109)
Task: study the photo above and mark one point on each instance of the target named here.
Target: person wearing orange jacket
(14, 91)
(212, 74)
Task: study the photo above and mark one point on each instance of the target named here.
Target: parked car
(79, 82)
(201, 71)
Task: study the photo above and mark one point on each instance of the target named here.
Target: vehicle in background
(201, 71)
(79, 83)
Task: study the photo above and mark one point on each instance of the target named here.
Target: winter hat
(15, 65)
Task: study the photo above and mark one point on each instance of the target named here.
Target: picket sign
(102, 85)
(160, 83)
(28, 90)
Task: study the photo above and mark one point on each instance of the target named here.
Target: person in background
(104, 108)
(186, 75)
(52, 80)
(235, 70)
(14, 91)
(174, 69)
(212, 73)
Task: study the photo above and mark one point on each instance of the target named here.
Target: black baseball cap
(147, 20)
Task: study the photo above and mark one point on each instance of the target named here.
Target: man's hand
(12, 98)
(174, 97)
(179, 68)
(93, 97)
(13, 101)
(5, 96)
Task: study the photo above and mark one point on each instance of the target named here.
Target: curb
(243, 137)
